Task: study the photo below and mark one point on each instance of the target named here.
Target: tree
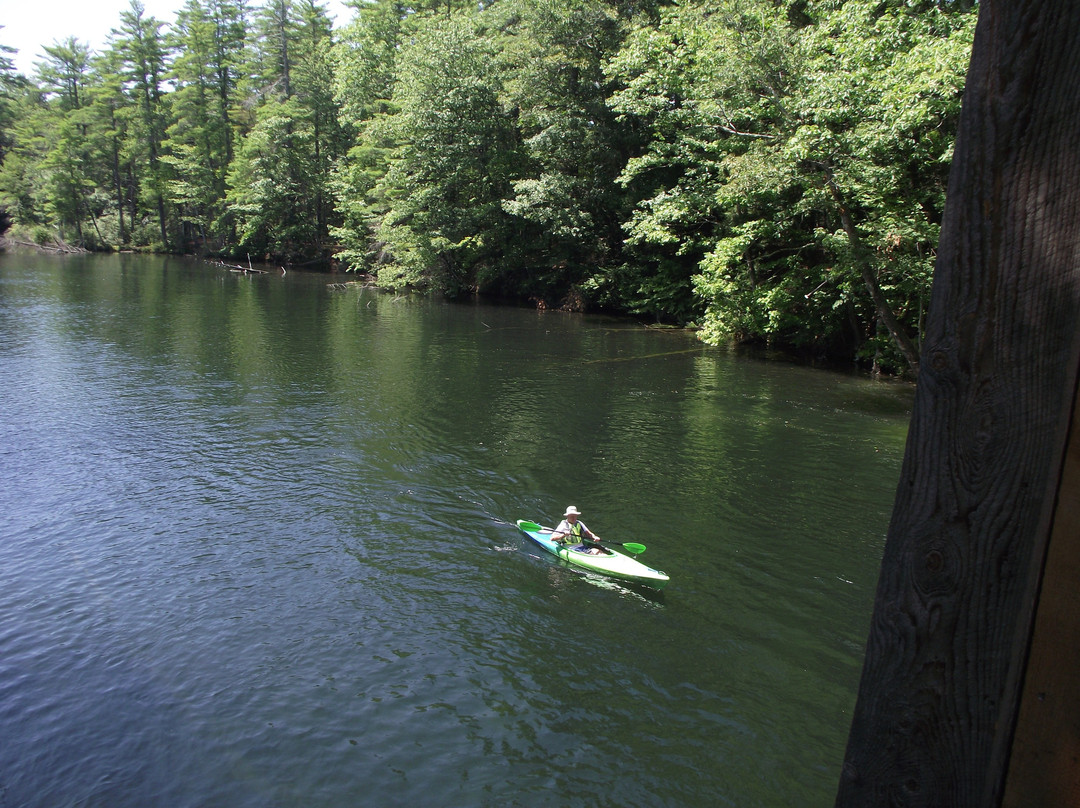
(314, 86)
(278, 182)
(141, 46)
(68, 164)
(770, 170)
(877, 162)
(445, 227)
(365, 61)
(269, 182)
(565, 203)
(842, 120)
(22, 191)
(64, 72)
(208, 40)
(273, 36)
(704, 84)
(10, 85)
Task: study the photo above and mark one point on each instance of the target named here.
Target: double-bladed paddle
(631, 546)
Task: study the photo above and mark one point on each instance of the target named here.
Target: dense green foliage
(769, 170)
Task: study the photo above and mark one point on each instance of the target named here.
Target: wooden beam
(939, 694)
(1045, 766)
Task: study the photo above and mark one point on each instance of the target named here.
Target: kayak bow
(610, 562)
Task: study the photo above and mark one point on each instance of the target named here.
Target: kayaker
(573, 528)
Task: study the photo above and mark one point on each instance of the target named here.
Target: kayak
(610, 562)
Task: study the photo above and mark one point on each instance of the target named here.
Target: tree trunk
(965, 551)
(881, 304)
(119, 188)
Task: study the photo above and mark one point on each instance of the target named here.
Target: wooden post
(964, 557)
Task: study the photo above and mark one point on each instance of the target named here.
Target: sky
(30, 24)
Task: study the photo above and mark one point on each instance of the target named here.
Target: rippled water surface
(257, 549)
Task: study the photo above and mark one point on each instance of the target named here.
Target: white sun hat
(572, 509)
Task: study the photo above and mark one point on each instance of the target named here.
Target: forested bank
(769, 170)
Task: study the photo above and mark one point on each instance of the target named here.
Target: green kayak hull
(611, 563)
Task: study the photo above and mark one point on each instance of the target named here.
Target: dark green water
(257, 549)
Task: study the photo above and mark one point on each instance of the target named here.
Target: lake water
(257, 548)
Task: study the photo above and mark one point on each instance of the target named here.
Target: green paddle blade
(530, 526)
(633, 547)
